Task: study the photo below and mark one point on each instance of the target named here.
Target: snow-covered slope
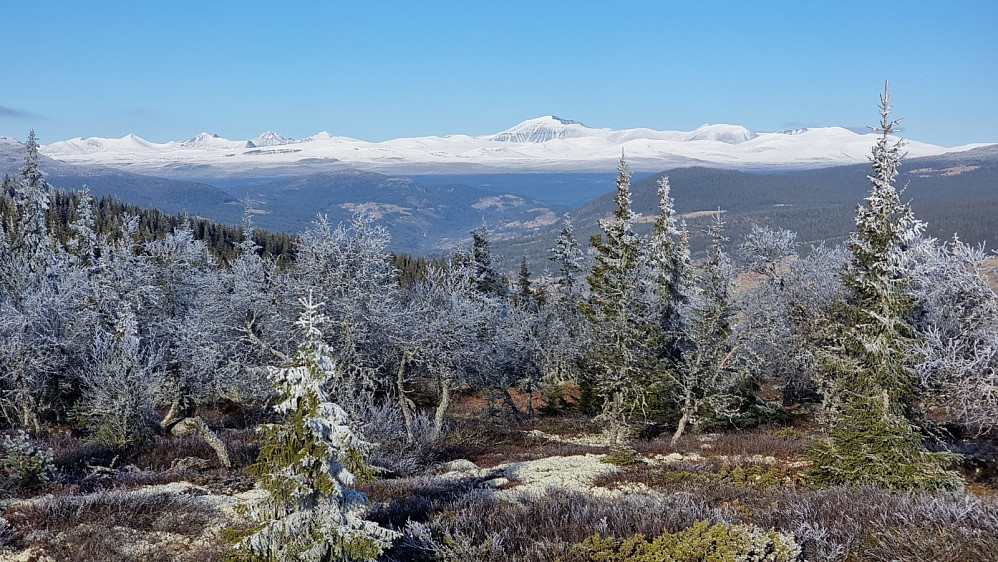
(546, 144)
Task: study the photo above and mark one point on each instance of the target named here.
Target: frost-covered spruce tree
(32, 202)
(567, 254)
(488, 280)
(871, 439)
(83, 243)
(669, 260)
(616, 354)
(311, 513)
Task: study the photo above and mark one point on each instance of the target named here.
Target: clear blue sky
(378, 70)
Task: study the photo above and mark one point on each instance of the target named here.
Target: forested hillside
(645, 404)
(955, 193)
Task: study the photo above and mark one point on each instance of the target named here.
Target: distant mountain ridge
(421, 217)
(544, 144)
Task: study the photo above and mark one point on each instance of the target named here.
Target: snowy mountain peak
(542, 129)
(209, 141)
(320, 136)
(563, 121)
(270, 138)
(728, 134)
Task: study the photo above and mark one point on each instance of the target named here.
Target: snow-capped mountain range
(547, 144)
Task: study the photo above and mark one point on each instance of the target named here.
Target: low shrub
(701, 542)
(382, 423)
(623, 457)
(24, 465)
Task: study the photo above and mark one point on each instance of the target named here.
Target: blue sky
(380, 70)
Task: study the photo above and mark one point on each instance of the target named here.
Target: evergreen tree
(31, 198)
(524, 293)
(616, 358)
(311, 512)
(669, 271)
(567, 254)
(669, 258)
(83, 244)
(871, 439)
(487, 277)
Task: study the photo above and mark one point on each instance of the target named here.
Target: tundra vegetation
(171, 393)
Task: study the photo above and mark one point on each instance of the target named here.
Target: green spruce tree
(870, 354)
(615, 360)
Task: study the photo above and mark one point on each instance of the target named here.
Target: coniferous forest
(177, 389)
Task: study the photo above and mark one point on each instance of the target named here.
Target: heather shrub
(115, 526)
(382, 425)
(622, 457)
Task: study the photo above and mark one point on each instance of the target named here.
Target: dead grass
(489, 441)
(784, 443)
(108, 525)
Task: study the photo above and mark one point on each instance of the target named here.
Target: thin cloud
(17, 113)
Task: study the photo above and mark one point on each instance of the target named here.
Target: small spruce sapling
(311, 512)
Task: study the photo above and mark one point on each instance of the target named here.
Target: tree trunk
(173, 414)
(530, 400)
(438, 418)
(403, 401)
(29, 418)
(214, 442)
(186, 426)
(615, 415)
(687, 413)
(508, 398)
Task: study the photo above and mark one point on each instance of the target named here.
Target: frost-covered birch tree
(958, 328)
(347, 267)
(707, 373)
(438, 335)
(120, 383)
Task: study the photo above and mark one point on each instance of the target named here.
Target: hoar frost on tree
(958, 322)
(707, 373)
(568, 256)
(668, 260)
(870, 359)
(311, 513)
(437, 336)
(775, 314)
(39, 290)
(347, 267)
(616, 359)
(119, 387)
